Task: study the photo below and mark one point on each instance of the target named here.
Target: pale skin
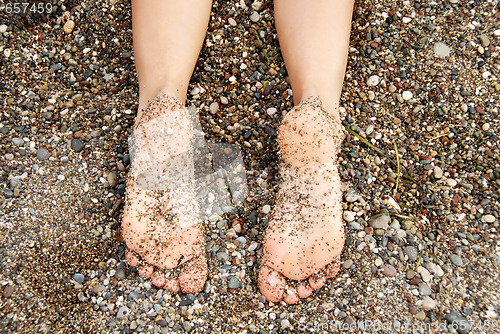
(302, 243)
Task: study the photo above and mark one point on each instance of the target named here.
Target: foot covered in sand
(305, 235)
(161, 219)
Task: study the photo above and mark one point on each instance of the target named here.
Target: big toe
(271, 284)
(193, 275)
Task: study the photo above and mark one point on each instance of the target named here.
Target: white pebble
(231, 21)
(3, 28)
(407, 95)
(373, 80)
(6, 53)
(489, 219)
(224, 100)
(255, 17)
(486, 126)
(271, 111)
(257, 5)
(452, 182)
(441, 50)
(266, 209)
(496, 32)
(349, 216)
(371, 95)
(406, 19)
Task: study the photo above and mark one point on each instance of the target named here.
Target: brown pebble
(7, 292)
(389, 270)
(415, 280)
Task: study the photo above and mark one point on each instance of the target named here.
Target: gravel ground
(422, 251)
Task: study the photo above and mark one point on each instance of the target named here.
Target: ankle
(146, 95)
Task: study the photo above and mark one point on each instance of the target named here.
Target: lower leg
(168, 35)
(305, 235)
(314, 41)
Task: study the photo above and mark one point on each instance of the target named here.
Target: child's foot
(305, 235)
(161, 219)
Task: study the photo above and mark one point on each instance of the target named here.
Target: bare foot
(161, 221)
(305, 235)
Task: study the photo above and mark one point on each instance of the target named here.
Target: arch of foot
(305, 236)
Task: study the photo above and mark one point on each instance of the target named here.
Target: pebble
(438, 172)
(380, 221)
(266, 209)
(424, 273)
(18, 141)
(285, 323)
(441, 50)
(8, 291)
(8, 193)
(122, 312)
(347, 263)
(112, 179)
(485, 41)
(424, 289)
(420, 315)
(79, 278)
(456, 260)
(488, 219)
(271, 111)
(349, 215)
(3, 28)
(232, 22)
(389, 270)
(486, 126)
(407, 95)
(461, 324)
(429, 303)
(77, 145)
(373, 80)
(214, 107)
(452, 182)
(412, 253)
(233, 283)
(69, 26)
(255, 17)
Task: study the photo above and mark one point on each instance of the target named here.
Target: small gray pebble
(456, 260)
(79, 278)
(18, 141)
(42, 154)
(460, 323)
(412, 253)
(77, 145)
(380, 221)
(234, 283)
(424, 289)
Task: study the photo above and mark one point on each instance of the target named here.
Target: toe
(317, 281)
(158, 279)
(172, 285)
(291, 296)
(304, 290)
(332, 269)
(271, 284)
(146, 271)
(132, 258)
(193, 275)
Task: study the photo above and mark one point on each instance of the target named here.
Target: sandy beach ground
(421, 187)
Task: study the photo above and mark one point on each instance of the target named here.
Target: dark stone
(77, 145)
